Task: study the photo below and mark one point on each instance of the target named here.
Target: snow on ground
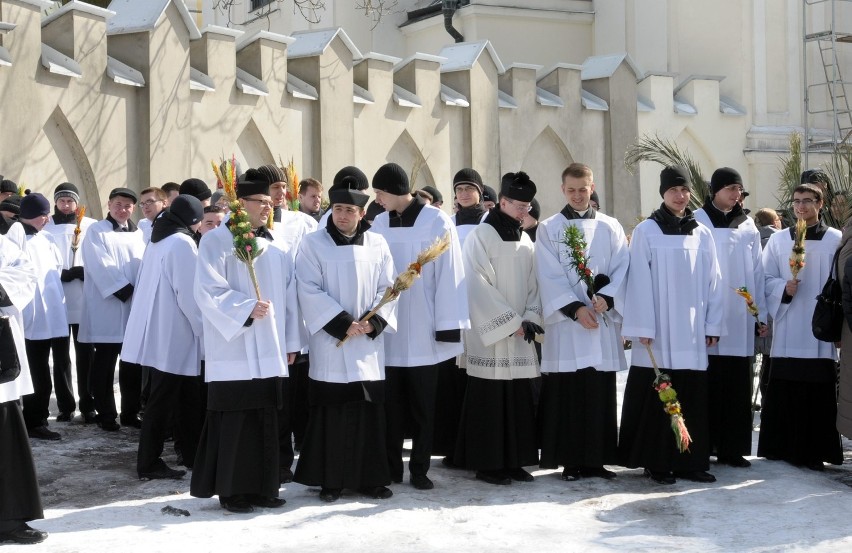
(93, 502)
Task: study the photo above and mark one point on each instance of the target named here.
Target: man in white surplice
(584, 349)
(343, 271)
(729, 368)
(248, 344)
(431, 317)
(164, 335)
(673, 304)
(496, 435)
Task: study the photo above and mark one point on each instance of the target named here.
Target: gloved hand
(530, 330)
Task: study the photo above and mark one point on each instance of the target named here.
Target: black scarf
(507, 227)
(341, 240)
(131, 226)
(469, 215)
(408, 215)
(263, 232)
(673, 225)
(570, 213)
(29, 230)
(60, 218)
(167, 224)
(276, 214)
(814, 232)
(732, 219)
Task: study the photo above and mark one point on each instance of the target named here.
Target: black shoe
(815, 465)
(23, 534)
(90, 417)
(734, 461)
(263, 501)
(496, 477)
(421, 482)
(597, 472)
(162, 472)
(397, 480)
(236, 504)
(330, 495)
(520, 475)
(377, 492)
(64, 417)
(449, 463)
(696, 476)
(285, 475)
(660, 477)
(131, 421)
(42, 433)
(571, 474)
(108, 425)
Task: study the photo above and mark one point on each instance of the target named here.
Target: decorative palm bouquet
(574, 239)
(797, 256)
(743, 292)
(406, 279)
(671, 405)
(75, 240)
(246, 248)
(292, 194)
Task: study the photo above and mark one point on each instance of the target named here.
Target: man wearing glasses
(248, 344)
(496, 435)
(729, 370)
(797, 421)
(153, 201)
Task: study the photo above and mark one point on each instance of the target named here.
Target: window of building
(257, 4)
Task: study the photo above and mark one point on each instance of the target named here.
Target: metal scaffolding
(825, 90)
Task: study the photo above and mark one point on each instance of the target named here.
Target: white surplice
(18, 278)
(567, 346)
(332, 279)
(673, 296)
(791, 331)
(63, 235)
(436, 301)
(164, 328)
(226, 297)
(738, 256)
(503, 291)
(44, 317)
(112, 262)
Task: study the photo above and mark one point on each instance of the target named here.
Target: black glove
(530, 330)
(125, 293)
(70, 274)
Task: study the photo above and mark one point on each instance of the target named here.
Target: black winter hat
(595, 198)
(723, 177)
(195, 187)
(187, 209)
(350, 178)
(436, 194)
(813, 176)
(535, 212)
(391, 178)
(124, 192)
(251, 183)
(488, 194)
(7, 185)
(517, 186)
(12, 204)
(468, 176)
(673, 176)
(66, 190)
(34, 205)
(272, 173)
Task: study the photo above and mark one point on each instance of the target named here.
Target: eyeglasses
(805, 202)
(264, 203)
(734, 188)
(520, 207)
(149, 203)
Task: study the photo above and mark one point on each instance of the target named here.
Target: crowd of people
(500, 352)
